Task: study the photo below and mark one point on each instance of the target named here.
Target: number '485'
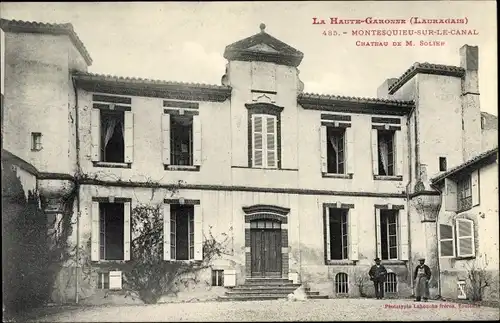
(330, 33)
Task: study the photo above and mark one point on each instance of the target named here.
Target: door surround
(267, 212)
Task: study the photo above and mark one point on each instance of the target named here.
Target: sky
(185, 42)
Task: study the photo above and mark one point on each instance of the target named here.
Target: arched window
(341, 284)
(391, 285)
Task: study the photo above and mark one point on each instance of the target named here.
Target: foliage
(361, 281)
(478, 279)
(147, 274)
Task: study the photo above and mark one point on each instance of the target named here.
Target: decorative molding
(389, 207)
(335, 117)
(180, 104)
(338, 205)
(335, 124)
(266, 108)
(386, 120)
(178, 201)
(263, 208)
(412, 195)
(106, 199)
(111, 107)
(112, 99)
(180, 112)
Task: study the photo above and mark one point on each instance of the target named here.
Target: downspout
(407, 191)
(77, 187)
(437, 235)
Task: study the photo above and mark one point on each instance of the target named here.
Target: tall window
(338, 238)
(389, 234)
(335, 150)
(181, 232)
(446, 241)
(181, 140)
(112, 136)
(264, 141)
(464, 193)
(111, 231)
(385, 141)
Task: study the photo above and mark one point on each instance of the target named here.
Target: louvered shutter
(257, 141)
(378, 236)
(349, 133)
(126, 231)
(271, 142)
(353, 233)
(95, 134)
(475, 187)
(403, 234)
(465, 238)
(165, 127)
(198, 233)
(196, 141)
(374, 139)
(323, 149)
(95, 246)
(399, 152)
(450, 195)
(129, 137)
(446, 241)
(166, 232)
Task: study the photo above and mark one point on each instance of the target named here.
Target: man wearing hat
(421, 276)
(378, 274)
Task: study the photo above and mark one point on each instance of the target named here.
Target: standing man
(421, 277)
(378, 274)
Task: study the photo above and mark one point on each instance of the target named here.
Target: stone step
(248, 298)
(267, 287)
(267, 292)
(317, 296)
(268, 280)
(253, 296)
(270, 283)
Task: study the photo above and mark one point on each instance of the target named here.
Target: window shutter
(196, 141)
(129, 137)
(450, 196)
(166, 232)
(377, 223)
(126, 231)
(353, 234)
(475, 187)
(403, 234)
(95, 247)
(257, 141)
(399, 152)
(465, 238)
(327, 230)
(198, 233)
(95, 134)
(323, 148)
(446, 241)
(165, 127)
(271, 142)
(349, 133)
(375, 151)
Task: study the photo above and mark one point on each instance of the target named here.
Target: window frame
(343, 138)
(471, 223)
(173, 234)
(391, 162)
(452, 239)
(386, 213)
(173, 158)
(464, 201)
(264, 133)
(345, 247)
(36, 141)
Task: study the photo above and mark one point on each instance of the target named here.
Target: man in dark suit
(378, 274)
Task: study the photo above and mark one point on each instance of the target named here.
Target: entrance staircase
(266, 289)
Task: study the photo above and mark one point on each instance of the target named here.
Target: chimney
(383, 89)
(471, 112)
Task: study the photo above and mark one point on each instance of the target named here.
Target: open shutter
(165, 127)
(166, 232)
(399, 152)
(198, 233)
(446, 241)
(353, 228)
(129, 137)
(475, 187)
(126, 231)
(323, 148)
(349, 133)
(465, 238)
(196, 141)
(403, 234)
(271, 142)
(95, 247)
(327, 233)
(95, 133)
(450, 196)
(257, 141)
(374, 139)
(377, 224)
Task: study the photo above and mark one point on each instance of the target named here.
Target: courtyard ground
(277, 310)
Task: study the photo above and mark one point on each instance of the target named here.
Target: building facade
(309, 187)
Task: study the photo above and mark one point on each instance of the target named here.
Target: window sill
(393, 262)
(341, 176)
(465, 257)
(110, 262)
(388, 178)
(344, 262)
(182, 168)
(112, 165)
(186, 261)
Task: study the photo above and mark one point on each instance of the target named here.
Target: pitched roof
(263, 47)
(486, 156)
(426, 68)
(355, 99)
(47, 28)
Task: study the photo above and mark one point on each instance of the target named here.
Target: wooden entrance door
(265, 248)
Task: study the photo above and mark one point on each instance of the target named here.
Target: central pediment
(264, 48)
